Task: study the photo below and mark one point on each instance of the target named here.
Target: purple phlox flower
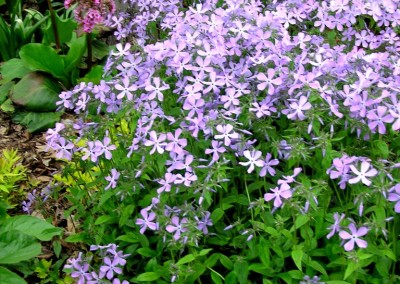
(175, 144)
(121, 50)
(157, 143)
(284, 150)
(146, 222)
(81, 271)
(253, 160)
(241, 30)
(353, 237)
(341, 169)
(54, 133)
(112, 179)
(268, 81)
(217, 148)
(194, 106)
(187, 179)
(92, 152)
(203, 223)
(82, 102)
(177, 227)
(109, 268)
(166, 183)
(290, 179)
(296, 108)
(156, 89)
(363, 38)
(335, 227)
(214, 82)
(395, 112)
(394, 196)
(281, 191)
(113, 104)
(364, 172)
(105, 147)
(64, 148)
(126, 89)
(267, 168)
(117, 281)
(226, 134)
(66, 99)
(264, 108)
(184, 164)
(377, 119)
(308, 280)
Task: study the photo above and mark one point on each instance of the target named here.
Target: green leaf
(36, 121)
(75, 53)
(39, 57)
(297, 256)
(241, 269)
(148, 276)
(76, 238)
(351, 267)
(315, 265)
(65, 28)
(94, 76)
(103, 219)
(16, 247)
(216, 215)
(129, 238)
(382, 149)
(301, 220)
(147, 252)
(204, 252)
(100, 49)
(126, 213)
(337, 282)
(32, 226)
(36, 92)
(216, 278)
(186, 259)
(7, 106)
(13, 69)
(4, 91)
(9, 277)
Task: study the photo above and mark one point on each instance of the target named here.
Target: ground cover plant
(238, 142)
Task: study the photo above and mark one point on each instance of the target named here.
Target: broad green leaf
(204, 252)
(241, 269)
(31, 226)
(216, 278)
(9, 277)
(148, 276)
(147, 252)
(94, 76)
(301, 220)
(381, 149)
(4, 91)
(7, 106)
(75, 53)
(126, 213)
(186, 259)
(65, 28)
(216, 215)
(37, 121)
(104, 219)
(39, 57)
(16, 247)
(351, 267)
(36, 92)
(297, 256)
(13, 69)
(76, 238)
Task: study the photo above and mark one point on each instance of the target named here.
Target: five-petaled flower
(363, 173)
(253, 160)
(353, 237)
(279, 192)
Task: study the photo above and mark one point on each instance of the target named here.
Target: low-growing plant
(246, 146)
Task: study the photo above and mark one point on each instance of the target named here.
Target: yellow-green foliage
(11, 173)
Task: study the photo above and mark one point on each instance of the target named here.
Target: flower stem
(89, 51)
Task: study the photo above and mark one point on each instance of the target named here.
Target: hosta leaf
(36, 92)
(13, 69)
(9, 277)
(36, 121)
(16, 247)
(31, 226)
(39, 57)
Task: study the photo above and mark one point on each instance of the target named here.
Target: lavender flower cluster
(113, 263)
(226, 69)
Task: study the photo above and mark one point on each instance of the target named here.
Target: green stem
(248, 197)
(89, 51)
(54, 24)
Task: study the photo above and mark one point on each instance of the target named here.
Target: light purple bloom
(394, 196)
(109, 268)
(279, 192)
(335, 227)
(364, 172)
(353, 237)
(253, 160)
(112, 179)
(177, 227)
(146, 222)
